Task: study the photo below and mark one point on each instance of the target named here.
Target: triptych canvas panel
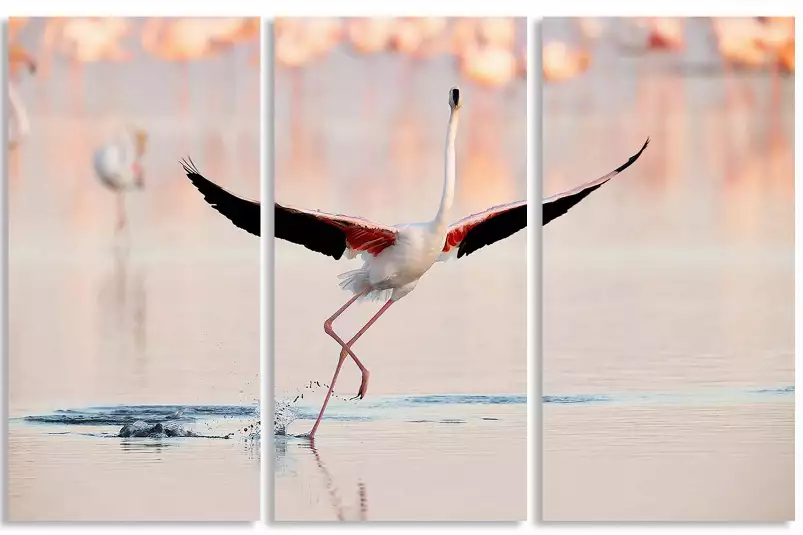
(395, 362)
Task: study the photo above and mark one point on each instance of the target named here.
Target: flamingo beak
(454, 98)
(141, 142)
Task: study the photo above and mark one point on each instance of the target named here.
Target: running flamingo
(395, 257)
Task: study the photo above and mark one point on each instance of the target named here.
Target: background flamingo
(118, 165)
(18, 124)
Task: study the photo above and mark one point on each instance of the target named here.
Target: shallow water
(102, 471)
(364, 135)
(99, 319)
(668, 307)
(368, 455)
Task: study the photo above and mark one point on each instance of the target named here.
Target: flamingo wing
(332, 235)
(559, 204)
(243, 213)
(476, 231)
(497, 223)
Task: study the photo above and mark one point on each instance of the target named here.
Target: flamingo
(489, 65)
(739, 41)
(786, 56)
(118, 166)
(666, 33)
(18, 124)
(370, 35)
(418, 37)
(561, 63)
(395, 257)
(87, 39)
(484, 50)
(234, 31)
(298, 43)
(84, 40)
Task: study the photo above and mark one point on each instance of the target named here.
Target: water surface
(453, 450)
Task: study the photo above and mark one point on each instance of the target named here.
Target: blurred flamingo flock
(77, 86)
(752, 43)
(490, 52)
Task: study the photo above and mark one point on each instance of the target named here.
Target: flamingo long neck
(448, 182)
(19, 114)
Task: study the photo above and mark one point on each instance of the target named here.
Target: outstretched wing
(478, 230)
(559, 204)
(497, 223)
(330, 234)
(242, 212)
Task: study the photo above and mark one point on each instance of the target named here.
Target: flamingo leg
(120, 211)
(326, 399)
(346, 351)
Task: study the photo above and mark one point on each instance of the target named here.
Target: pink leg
(326, 399)
(346, 350)
(327, 327)
(121, 219)
(343, 353)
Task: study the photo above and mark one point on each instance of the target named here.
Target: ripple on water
(287, 411)
(156, 421)
(707, 395)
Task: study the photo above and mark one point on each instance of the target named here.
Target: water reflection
(341, 511)
(123, 308)
(289, 454)
(151, 448)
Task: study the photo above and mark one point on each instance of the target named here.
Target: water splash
(283, 415)
(160, 421)
(126, 414)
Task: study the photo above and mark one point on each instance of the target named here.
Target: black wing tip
(189, 166)
(633, 158)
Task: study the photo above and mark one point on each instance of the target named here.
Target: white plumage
(118, 166)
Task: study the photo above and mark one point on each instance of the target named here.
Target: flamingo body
(117, 165)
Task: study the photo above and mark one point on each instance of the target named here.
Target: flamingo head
(454, 98)
(17, 54)
(141, 142)
(31, 64)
